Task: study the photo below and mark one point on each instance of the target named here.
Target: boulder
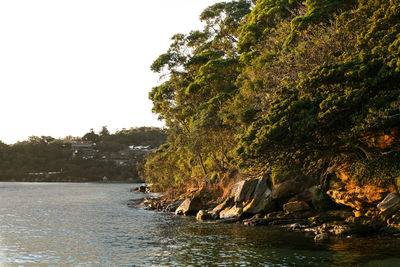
(172, 207)
(244, 190)
(390, 204)
(295, 206)
(286, 189)
(262, 200)
(231, 213)
(227, 203)
(262, 205)
(263, 188)
(203, 215)
(189, 207)
(307, 195)
(280, 177)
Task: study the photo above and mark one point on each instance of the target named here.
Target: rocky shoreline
(345, 209)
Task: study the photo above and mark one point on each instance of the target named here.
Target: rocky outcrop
(189, 207)
(244, 190)
(358, 197)
(390, 204)
(286, 189)
(262, 200)
(247, 197)
(295, 205)
(307, 195)
(346, 192)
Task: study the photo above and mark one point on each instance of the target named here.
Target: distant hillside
(92, 157)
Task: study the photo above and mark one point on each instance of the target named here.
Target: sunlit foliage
(304, 84)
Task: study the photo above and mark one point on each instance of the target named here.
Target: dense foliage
(49, 159)
(307, 86)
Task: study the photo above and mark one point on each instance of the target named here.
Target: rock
(286, 189)
(189, 207)
(227, 203)
(295, 206)
(203, 215)
(358, 197)
(172, 207)
(150, 203)
(262, 200)
(307, 195)
(321, 237)
(244, 190)
(255, 220)
(263, 188)
(262, 205)
(230, 213)
(141, 189)
(390, 204)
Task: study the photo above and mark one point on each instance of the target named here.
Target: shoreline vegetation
(283, 113)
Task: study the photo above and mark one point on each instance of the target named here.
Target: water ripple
(91, 225)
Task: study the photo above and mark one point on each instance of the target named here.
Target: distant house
(82, 146)
(140, 148)
(84, 149)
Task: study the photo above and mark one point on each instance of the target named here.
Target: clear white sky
(70, 65)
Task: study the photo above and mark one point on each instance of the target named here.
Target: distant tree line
(49, 159)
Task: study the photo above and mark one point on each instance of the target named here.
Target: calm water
(90, 224)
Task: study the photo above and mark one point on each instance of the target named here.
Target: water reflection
(89, 224)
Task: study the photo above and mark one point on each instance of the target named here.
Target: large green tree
(305, 85)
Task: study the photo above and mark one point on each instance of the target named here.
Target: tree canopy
(306, 85)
